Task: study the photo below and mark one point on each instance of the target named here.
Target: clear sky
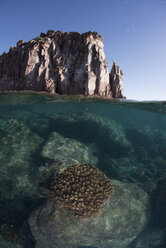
(134, 33)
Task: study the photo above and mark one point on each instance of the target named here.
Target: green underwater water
(126, 140)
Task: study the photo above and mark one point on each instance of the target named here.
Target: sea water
(125, 140)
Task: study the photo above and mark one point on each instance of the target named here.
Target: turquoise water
(125, 140)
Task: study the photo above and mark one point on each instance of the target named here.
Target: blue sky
(134, 33)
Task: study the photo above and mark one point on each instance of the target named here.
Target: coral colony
(81, 189)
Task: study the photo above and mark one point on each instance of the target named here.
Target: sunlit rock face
(57, 62)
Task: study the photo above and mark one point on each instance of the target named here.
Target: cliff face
(57, 62)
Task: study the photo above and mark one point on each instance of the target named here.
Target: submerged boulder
(69, 150)
(160, 204)
(121, 219)
(18, 157)
(7, 244)
(107, 134)
(150, 237)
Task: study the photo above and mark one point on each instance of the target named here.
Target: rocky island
(63, 63)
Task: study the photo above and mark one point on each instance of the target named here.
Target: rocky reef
(42, 136)
(64, 63)
(20, 143)
(72, 151)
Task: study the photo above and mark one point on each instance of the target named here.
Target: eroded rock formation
(116, 78)
(57, 62)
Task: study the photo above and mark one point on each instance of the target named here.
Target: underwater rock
(11, 233)
(141, 153)
(150, 237)
(7, 244)
(29, 119)
(108, 135)
(69, 150)
(140, 137)
(122, 218)
(160, 204)
(128, 169)
(160, 164)
(18, 157)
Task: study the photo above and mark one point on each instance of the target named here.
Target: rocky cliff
(57, 62)
(116, 78)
